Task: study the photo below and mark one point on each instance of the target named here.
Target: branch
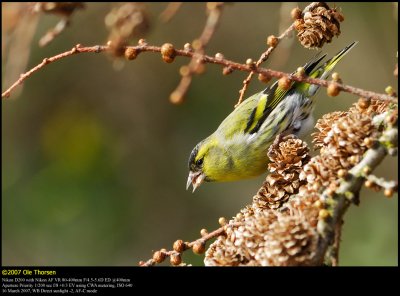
(198, 246)
(273, 43)
(65, 10)
(349, 189)
(388, 186)
(168, 13)
(75, 50)
(296, 216)
(205, 59)
(196, 64)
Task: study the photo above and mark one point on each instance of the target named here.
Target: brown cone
(288, 155)
(318, 26)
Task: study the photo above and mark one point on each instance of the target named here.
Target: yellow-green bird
(238, 148)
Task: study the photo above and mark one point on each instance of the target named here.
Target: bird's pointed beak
(195, 178)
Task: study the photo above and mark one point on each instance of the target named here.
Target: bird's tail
(323, 71)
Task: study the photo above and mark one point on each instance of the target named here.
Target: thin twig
(206, 59)
(63, 9)
(262, 59)
(381, 182)
(75, 50)
(54, 32)
(168, 13)
(204, 239)
(196, 63)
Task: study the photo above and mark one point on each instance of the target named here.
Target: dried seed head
(266, 238)
(175, 259)
(227, 70)
(307, 15)
(392, 118)
(353, 159)
(131, 53)
(168, 52)
(179, 246)
(318, 26)
(125, 22)
(168, 59)
(159, 256)
(203, 232)
(199, 248)
(324, 125)
(301, 72)
(336, 77)
(219, 56)
(176, 97)
(264, 77)
(316, 186)
(288, 155)
(369, 142)
(333, 186)
(333, 89)
(319, 204)
(342, 173)
(285, 83)
(249, 62)
(369, 184)
(330, 191)
(272, 41)
(370, 107)
(364, 103)
(188, 47)
(366, 170)
(222, 221)
(323, 214)
(296, 13)
(388, 192)
(389, 90)
(142, 42)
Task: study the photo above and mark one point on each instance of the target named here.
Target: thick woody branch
(349, 189)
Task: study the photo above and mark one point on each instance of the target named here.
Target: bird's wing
(236, 121)
(249, 116)
(271, 97)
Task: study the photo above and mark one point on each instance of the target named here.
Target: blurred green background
(94, 159)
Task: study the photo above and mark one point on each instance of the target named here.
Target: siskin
(238, 148)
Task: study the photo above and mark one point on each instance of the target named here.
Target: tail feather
(312, 63)
(323, 71)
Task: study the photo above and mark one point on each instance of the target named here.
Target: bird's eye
(199, 162)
